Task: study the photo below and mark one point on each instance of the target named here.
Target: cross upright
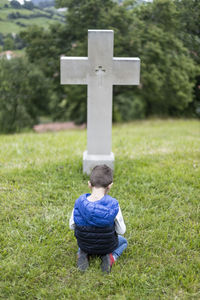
(99, 71)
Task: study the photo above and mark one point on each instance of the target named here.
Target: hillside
(13, 20)
(156, 181)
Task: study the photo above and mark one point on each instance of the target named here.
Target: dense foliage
(164, 34)
(26, 5)
(20, 103)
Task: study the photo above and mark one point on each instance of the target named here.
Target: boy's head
(101, 176)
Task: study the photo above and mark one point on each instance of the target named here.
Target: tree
(150, 31)
(167, 71)
(9, 43)
(28, 5)
(15, 4)
(189, 17)
(23, 94)
(45, 47)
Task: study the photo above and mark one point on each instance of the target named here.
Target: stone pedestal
(91, 160)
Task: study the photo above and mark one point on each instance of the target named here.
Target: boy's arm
(71, 221)
(120, 226)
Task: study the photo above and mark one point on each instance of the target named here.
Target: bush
(21, 24)
(128, 107)
(15, 4)
(14, 15)
(23, 94)
(8, 43)
(28, 5)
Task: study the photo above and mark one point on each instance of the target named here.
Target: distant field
(8, 27)
(156, 180)
(3, 2)
(5, 12)
(40, 21)
(35, 17)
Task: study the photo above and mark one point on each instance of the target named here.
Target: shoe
(82, 262)
(107, 262)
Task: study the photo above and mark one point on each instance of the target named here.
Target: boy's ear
(89, 185)
(110, 185)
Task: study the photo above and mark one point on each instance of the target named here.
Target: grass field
(44, 19)
(156, 181)
(3, 2)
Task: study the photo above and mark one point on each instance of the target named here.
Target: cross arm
(73, 70)
(126, 71)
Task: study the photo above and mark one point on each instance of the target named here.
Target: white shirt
(120, 226)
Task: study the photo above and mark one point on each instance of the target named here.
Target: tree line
(27, 4)
(164, 34)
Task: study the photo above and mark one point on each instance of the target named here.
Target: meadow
(36, 16)
(156, 181)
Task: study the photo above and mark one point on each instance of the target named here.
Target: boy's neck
(97, 194)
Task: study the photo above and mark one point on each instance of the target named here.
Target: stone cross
(100, 71)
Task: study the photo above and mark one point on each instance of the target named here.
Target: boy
(97, 221)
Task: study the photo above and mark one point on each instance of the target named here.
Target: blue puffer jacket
(95, 229)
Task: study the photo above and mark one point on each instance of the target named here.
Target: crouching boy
(98, 222)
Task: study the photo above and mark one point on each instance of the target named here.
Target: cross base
(92, 160)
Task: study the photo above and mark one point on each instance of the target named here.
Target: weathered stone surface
(100, 71)
(90, 161)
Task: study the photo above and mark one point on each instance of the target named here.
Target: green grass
(9, 25)
(6, 11)
(156, 181)
(3, 2)
(40, 21)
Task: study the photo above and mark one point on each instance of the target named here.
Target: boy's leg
(82, 262)
(109, 259)
(122, 245)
